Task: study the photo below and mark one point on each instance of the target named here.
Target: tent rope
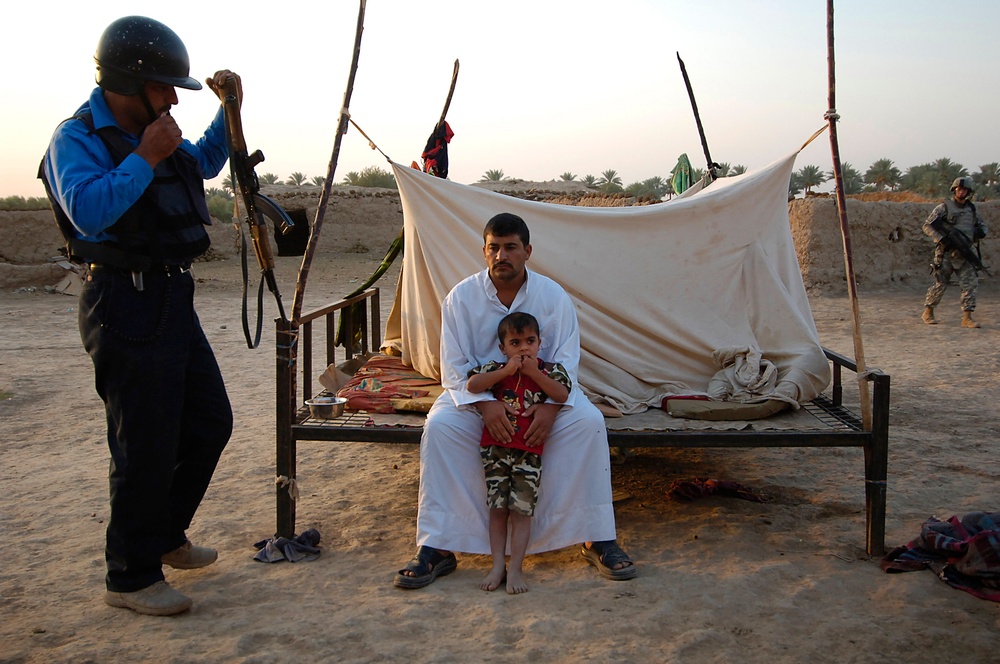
(813, 137)
(371, 143)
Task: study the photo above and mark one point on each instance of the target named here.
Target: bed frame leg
(286, 338)
(877, 468)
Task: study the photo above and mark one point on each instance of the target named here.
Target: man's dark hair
(517, 322)
(504, 224)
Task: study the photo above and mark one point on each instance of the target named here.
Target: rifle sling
(255, 341)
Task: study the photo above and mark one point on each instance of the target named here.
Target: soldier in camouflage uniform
(960, 214)
(513, 469)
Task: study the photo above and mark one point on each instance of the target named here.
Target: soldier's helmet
(136, 49)
(964, 182)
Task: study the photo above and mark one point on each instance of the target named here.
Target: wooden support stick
(838, 176)
(451, 91)
(300, 283)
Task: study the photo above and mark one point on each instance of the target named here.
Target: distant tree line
(931, 180)
(220, 201)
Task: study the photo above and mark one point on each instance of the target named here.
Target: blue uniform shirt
(91, 190)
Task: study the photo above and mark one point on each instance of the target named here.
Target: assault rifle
(952, 238)
(255, 208)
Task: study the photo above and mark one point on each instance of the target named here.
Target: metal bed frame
(361, 313)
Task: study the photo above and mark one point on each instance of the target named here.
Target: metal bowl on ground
(326, 408)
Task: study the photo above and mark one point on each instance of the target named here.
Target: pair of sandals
(429, 563)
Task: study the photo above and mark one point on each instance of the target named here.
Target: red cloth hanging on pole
(435, 154)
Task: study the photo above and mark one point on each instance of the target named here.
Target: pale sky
(545, 86)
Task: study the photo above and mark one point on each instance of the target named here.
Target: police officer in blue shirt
(128, 192)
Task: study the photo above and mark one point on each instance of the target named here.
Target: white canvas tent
(658, 289)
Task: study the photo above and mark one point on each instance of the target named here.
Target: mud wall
(888, 247)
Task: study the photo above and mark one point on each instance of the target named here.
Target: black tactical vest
(165, 226)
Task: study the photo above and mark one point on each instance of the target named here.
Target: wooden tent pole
(838, 175)
(451, 92)
(300, 283)
(697, 119)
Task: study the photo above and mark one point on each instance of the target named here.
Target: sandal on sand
(427, 565)
(605, 555)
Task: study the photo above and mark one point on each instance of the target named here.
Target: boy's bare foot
(493, 580)
(515, 583)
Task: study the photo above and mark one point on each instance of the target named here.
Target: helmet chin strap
(147, 104)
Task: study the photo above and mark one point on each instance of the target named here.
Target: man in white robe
(574, 503)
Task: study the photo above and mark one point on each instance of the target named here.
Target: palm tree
(269, 178)
(921, 179)
(933, 180)
(590, 181)
(318, 180)
(811, 176)
(567, 177)
(794, 185)
(373, 176)
(654, 187)
(738, 169)
(227, 183)
(296, 179)
(352, 178)
(722, 170)
(493, 175)
(948, 170)
(988, 175)
(882, 175)
(610, 181)
(853, 182)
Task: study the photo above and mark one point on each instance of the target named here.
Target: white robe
(574, 502)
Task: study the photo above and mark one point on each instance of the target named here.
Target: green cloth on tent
(394, 250)
(680, 178)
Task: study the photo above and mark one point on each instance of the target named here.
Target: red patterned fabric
(381, 379)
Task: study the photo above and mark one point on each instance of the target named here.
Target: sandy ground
(720, 579)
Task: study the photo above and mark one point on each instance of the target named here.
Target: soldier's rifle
(254, 210)
(952, 238)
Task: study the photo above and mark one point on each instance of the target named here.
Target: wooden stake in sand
(845, 229)
(287, 332)
(345, 115)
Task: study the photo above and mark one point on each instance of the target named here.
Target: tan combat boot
(929, 315)
(967, 320)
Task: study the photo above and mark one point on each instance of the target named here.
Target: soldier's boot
(967, 320)
(928, 316)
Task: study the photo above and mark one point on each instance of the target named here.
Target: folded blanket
(745, 376)
(964, 553)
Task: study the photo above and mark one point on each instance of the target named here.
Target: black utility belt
(160, 268)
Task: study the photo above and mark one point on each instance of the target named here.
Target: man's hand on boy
(494, 414)
(542, 416)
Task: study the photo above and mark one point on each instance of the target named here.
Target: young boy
(512, 468)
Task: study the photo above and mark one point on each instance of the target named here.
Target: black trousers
(168, 414)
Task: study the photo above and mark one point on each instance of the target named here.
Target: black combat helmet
(964, 182)
(136, 49)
